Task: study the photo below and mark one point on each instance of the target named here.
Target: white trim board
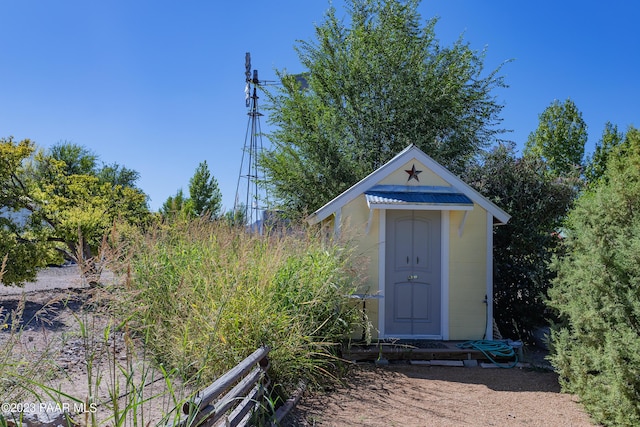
(444, 278)
(411, 153)
(489, 279)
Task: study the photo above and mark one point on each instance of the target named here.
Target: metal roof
(392, 195)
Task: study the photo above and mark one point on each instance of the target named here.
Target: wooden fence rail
(212, 404)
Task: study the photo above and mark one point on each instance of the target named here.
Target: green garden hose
(492, 350)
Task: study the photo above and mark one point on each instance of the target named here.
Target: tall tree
(204, 198)
(204, 192)
(524, 247)
(373, 87)
(559, 139)
(596, 344)
(596, 165)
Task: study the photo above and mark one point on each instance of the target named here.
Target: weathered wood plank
(213, 412)
(241, 413)
(209, 394)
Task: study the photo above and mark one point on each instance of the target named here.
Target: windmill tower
(250, 197)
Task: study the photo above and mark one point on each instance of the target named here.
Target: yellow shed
(429, 239)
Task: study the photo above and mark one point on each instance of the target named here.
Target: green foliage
(375, 86)
(524, 246)
(78, 209)
(596, 165)
(67, 201)
(22, 254)
(23, 258)
(205, 193)
(13, 154)
(205, 198)
(596, 347)
(174, 205)
(78, 160)
(237, 217)
(210, 294)
(559, 139)
(116, 174)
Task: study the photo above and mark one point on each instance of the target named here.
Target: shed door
(412, 285)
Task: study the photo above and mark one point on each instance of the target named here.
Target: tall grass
(207, 295)
(199, 297)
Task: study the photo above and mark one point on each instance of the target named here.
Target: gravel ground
(406, 395)
(53, 278)
(53, 350)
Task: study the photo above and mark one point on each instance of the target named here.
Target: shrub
(596, 345)
(524, 246)
(209, 294)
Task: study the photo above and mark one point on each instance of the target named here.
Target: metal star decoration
(413, 173)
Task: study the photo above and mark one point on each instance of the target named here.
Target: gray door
(412, 273)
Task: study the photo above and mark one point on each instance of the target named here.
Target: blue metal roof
(416, 195)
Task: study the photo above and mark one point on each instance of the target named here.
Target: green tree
(24, 256)
(559, 139)
(116, 174)
(78, 160)
(205, 198)
(373, 87)
(596, 344)
(204, 192)
(596, 165)
(174, 205)
(523, 248)
(237, 217)
(69, 207)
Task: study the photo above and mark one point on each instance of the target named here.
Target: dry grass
(193, 300)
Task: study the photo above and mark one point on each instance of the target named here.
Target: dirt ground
(61, 343)
(394, 395)
(407, 395)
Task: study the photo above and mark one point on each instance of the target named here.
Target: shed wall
(426, 176)
(467, 256)
(467, 275)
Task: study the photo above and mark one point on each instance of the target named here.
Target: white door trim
(382, 253)
(444, 277)
(444, 274)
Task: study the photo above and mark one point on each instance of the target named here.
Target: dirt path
(406, 395)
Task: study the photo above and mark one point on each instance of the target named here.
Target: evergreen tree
(205, 198)
(174, 204)
(596, 345)
(597, 164)
(204, 192)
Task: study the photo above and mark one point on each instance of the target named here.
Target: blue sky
(158, 86)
